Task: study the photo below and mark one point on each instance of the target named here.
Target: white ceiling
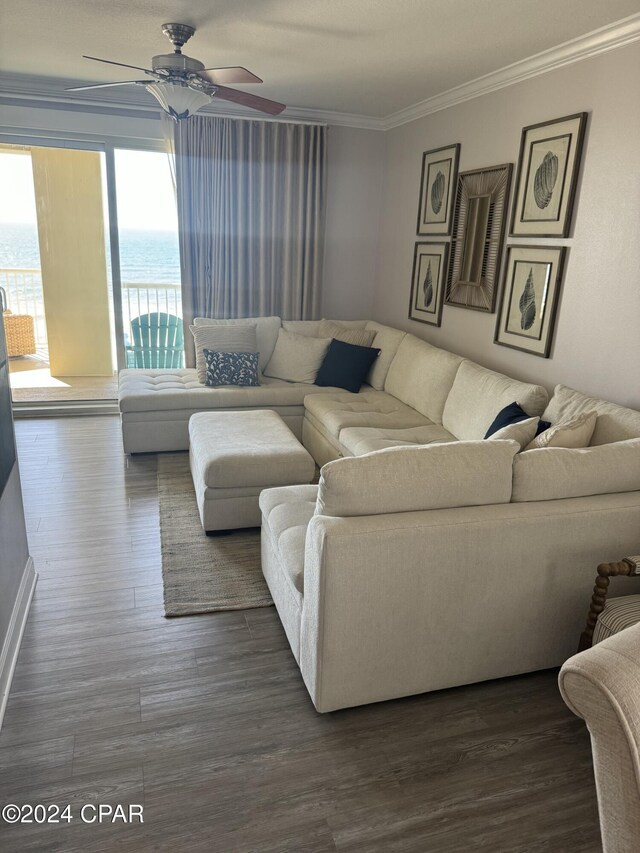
(371, 57)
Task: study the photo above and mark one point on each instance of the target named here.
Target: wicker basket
(20, 335)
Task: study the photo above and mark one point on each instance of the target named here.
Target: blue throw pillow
(346, 365)
(513, 414)
(231, 368)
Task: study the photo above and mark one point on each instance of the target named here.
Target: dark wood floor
(205, 720)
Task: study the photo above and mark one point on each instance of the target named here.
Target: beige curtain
(251, 205)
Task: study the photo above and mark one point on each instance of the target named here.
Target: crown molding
(48, 93)
(609, 37)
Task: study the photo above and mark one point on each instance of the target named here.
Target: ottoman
(234, 456)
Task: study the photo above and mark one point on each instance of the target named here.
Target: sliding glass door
(149, 259)
(89, 268)
(54, 274)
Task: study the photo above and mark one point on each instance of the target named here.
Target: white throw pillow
(574, 433)
(357, 337)
(523, 432)
(297, 358)
(221, 339)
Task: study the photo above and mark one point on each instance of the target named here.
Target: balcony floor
(31, 382)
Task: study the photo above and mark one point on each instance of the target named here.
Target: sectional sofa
(426, 557)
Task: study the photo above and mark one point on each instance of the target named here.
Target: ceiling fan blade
(106, 85)
(121, 64)
(231, 74)
(273, 108)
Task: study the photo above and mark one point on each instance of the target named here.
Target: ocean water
(145, 256)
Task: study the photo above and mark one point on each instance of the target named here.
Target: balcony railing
(145, 298)
(23, 288)
(25, 296)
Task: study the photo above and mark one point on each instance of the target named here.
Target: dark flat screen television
(7, 441)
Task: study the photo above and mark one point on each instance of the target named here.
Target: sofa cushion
(162, 390)
(421, 375)
(345, 365)
(387, 340)
(286, 514)
(360, 440)
(574, 433)
(266, 332)
(479, 394)
(615, 423)
(552, 473)
(297, 358)
(618, 615)
(221, 339)
(340, 409)
(405, 479)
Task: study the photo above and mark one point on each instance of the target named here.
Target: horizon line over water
(150, 256)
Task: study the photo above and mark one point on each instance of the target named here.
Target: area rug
(200, 573)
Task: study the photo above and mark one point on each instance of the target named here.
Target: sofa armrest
(602, 685)
(405, 479)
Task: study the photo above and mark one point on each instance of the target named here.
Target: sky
(143, 185)
(17, 202)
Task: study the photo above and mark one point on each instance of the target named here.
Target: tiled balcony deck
(31, 382)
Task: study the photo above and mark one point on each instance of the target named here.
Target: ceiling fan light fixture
(177, 100)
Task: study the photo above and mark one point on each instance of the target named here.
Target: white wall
(354, 202)
(597, 336)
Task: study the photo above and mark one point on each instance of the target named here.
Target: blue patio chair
(157, 341)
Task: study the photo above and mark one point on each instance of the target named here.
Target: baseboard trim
(11, 646)
(64, 409)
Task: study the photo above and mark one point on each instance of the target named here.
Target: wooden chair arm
(628, 567)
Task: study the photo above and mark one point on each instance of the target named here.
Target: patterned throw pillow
(231, 368)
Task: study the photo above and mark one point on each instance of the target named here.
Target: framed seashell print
(427, 282)
(548, 167)
(437, 190)
(529, 303)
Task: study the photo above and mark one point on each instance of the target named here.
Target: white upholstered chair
(602, 685)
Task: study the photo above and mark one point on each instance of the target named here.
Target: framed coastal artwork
(427, 282)
(482, 197)
(529, 303)
(437, 190)
(548, 168)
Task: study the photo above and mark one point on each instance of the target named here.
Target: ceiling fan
(182, 85)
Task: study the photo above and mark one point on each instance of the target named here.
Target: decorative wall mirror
(482, 198)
